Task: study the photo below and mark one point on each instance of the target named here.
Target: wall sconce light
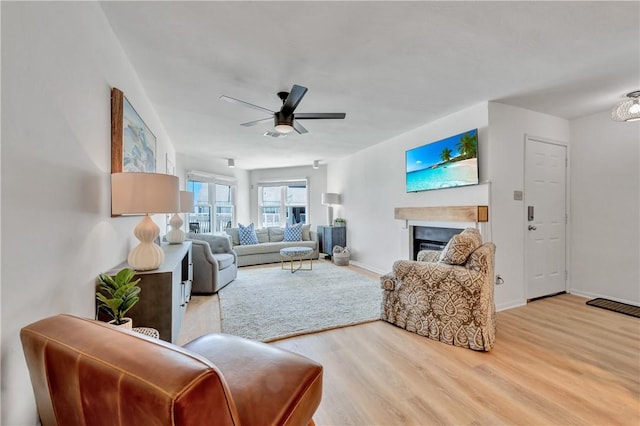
(231, 163)
(316, 164)
(176, 235)
(330, 199)
(144, 193)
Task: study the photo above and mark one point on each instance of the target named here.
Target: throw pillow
(235, 236)
(263, 235)
(306, 232)
(247, 235)
(293, 233)
(276, 234)
(460, 247)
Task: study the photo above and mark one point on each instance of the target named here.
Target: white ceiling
(391, 66)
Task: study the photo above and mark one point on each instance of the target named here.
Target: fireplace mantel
(444, 213)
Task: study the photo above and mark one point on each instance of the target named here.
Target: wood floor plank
(556, 361)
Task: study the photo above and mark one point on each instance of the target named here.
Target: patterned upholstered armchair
(446, 296)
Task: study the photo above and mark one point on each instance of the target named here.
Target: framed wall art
(133, 145)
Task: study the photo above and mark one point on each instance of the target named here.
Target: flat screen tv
(446, 163)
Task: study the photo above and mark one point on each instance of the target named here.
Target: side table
(329, 236)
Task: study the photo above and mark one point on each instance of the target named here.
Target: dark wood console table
(164, 292)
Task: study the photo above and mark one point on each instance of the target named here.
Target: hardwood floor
(556, 361)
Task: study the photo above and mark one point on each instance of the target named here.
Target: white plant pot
(128, 324)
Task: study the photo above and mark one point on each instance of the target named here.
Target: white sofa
(270, 241)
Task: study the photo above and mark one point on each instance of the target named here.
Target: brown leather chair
(86, 372)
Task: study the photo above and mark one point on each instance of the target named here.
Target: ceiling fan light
(284, 128)
(627, 110)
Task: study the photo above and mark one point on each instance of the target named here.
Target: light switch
(517, 195)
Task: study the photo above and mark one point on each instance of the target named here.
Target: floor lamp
(144, 193)
(330, 199)
(176, 235)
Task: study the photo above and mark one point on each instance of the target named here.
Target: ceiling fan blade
(320, 115)
(253, 123)
(294, 98)
(299, 127)
(239, 102)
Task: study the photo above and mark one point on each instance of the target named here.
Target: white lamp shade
(329, 198)
(142, 193)
(186, 202)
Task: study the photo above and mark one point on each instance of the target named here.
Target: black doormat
(623, 308)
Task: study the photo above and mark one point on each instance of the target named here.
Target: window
(214, 202)
(223, 208)
(282, 203)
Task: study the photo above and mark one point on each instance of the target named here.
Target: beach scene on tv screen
(446, 163)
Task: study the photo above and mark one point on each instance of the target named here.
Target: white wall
(508, 126)
(218, 166)
(59, 62)
(372, 184)
(605, 205)
(316, 181)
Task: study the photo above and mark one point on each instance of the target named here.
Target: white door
(545, 217)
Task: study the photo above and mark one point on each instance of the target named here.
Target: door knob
(532, 228)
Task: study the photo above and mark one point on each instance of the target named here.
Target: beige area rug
(269, 303)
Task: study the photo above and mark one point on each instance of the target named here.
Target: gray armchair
(215, 264)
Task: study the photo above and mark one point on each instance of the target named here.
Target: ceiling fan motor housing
(281, 119)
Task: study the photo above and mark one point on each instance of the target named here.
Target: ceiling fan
(285, 120)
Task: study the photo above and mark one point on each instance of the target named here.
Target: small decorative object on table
(117, 294)
(339, 222)
(341, 255)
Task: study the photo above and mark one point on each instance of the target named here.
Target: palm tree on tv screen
(468, 146)
(445, 155)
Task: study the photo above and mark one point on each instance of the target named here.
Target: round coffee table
(292, 254)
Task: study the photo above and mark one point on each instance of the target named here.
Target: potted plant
(118, 293)
(339, 222)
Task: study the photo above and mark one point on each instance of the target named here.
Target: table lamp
(144, 193)
(176, 235)
(329, 199)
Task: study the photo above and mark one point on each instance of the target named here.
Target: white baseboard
(510, 305)
(368, 267)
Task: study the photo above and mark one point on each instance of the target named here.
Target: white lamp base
(147, 255)
(176, 235)
(330, 215)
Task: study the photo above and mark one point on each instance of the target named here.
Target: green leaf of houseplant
(117, 293)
